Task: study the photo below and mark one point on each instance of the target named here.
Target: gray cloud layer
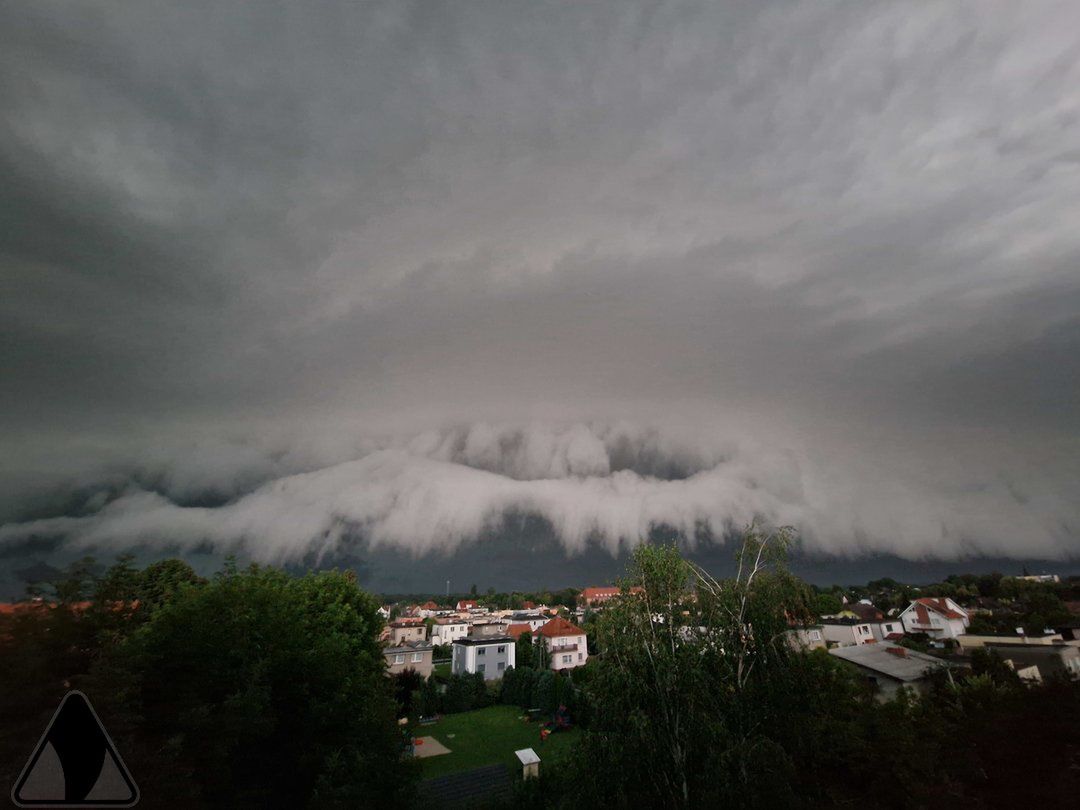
(255, 260)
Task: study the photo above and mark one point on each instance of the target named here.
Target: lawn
(443, 669)
(489, 736)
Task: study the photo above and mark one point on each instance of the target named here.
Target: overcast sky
(303, 279)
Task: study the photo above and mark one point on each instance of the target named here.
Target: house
(807, 638)
(938, 617)
(384, 612)
(565, 642)
(847, 632)
(598, 596)
(864, 610)
(428, 609)
(534, 620)
(489, 656)
(1054, 660)
(487, 628)
(414, 655)
(405, 630)
(888, 629)
(467, 604)
(447, 631)
(888, 667)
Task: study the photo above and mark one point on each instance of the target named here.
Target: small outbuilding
(530, 763)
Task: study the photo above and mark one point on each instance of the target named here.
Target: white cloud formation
(609, 484)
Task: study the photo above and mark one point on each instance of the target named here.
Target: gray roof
(483, 641)
(911, 666)
(409, 646)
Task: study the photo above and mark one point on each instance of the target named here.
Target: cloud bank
(605, 485)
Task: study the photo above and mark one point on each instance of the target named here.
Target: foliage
(267, 690)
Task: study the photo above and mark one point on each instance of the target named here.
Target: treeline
(251, 688)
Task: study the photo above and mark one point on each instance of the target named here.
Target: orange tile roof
(560, 627)
(940, 606)
(515, 630)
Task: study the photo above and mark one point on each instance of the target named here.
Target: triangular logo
(75, 763)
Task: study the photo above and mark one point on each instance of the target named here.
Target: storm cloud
(290, 280)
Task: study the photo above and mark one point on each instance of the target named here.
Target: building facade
(416, 655)
(847, 632)
(447, 631)
(566, 644)
(940, 618)
(405, 631)
(489, 656)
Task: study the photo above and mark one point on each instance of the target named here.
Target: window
(399, 659)
(566, 659)
(580, 656)
(482, 651)
(815, 635)
(502, 666)
(417, 657)
(502, 650)
(479, 667)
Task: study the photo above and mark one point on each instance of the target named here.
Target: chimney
(899, 652)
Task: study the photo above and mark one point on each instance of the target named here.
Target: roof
(865, 612)
(939, 606)
(906, 666)
(527, 756)
(450, 621)
(515, 630)
(611, 590)
(483, 641)
(844, 621)
(560, 627)
(409, 646)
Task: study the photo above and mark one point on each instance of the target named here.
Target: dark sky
(305, 279)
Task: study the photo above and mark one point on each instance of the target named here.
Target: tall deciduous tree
(692, 668)
(267, 690)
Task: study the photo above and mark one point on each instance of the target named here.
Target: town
(893, 638)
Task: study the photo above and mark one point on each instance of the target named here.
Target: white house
(565, 643)
(447, 631)
(888, 630)
(847, 632)
(939, 618)
(488, 656)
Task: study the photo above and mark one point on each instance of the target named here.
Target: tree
(691, 676)
(265, 690)
(524, 651)
(827, 604)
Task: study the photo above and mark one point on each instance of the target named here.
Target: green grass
(443, 669)
(489, 736)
